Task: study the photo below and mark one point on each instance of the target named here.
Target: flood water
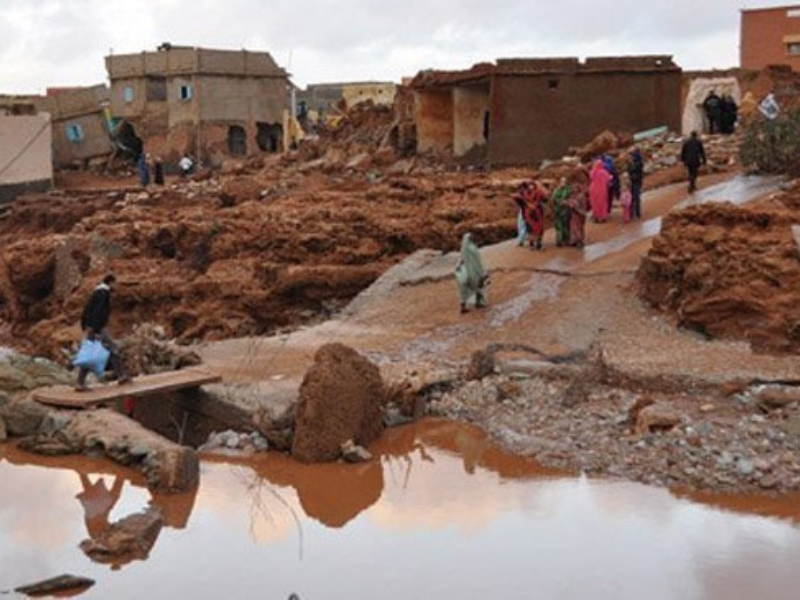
(441, 514)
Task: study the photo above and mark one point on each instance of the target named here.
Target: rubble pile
(730, 272)
(234, 255)
(708, 439)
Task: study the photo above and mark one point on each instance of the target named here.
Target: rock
(3, 430)
(775, 396)
(341, 398)
(745, 467)
(707, 408)
(355, 454)
(23, 417)
(393, 417)
(657, 417)
(56, 586)
(128, 539)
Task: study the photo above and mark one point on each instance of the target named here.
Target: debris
(353, 453)
(657, 417)
(55, 586)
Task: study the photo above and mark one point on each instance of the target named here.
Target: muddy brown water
(440, 514)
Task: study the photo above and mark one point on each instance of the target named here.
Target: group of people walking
(572, 202)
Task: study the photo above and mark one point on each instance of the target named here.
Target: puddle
(540, 287)
(442, 514)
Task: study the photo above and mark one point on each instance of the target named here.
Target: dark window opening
(552, 84)
(237, 141)
(186, 92)
(156, 89)
(269, 137)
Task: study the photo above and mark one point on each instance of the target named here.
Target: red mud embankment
(730, 272)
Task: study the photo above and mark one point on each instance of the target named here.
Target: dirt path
(558, 301)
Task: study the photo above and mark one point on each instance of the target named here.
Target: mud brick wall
(540, 115)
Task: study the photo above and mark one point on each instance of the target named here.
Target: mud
(436, 489)
(730, 272)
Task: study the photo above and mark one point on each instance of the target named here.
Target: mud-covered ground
(730, 272)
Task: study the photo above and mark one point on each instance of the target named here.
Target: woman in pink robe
(598, 191)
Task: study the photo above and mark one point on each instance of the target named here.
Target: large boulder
(341, 398)
(20, 373)
(22, 417)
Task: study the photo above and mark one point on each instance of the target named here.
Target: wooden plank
(64, 396)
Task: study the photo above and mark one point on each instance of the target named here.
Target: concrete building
(521, 111)
(324, 98)
(78, 115)
(770, 36)
(209, 103)
(26, 156)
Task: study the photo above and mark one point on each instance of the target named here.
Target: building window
(552, 84)
(793, 13)
(186, 92)
(75, 133)
(793, 48)
(127, 94)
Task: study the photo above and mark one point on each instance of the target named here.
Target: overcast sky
(62, 42)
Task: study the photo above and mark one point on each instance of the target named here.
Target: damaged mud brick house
(522, 111)
(212, 104)
(80, 123)
(770, 36)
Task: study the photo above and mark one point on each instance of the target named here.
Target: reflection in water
(442, 513)
(98, 501)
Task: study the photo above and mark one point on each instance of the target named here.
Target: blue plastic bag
(92, 355)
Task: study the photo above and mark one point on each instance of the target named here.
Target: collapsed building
(80, 123)
(324, 99)
(212, 104)
(522, 111)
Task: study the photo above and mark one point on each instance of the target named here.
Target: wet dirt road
(560, 300)
(441, 514)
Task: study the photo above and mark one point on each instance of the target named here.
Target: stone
(355, 454)
(776, 396)
(657, 417)
(745, 467)
(3, 430)
(56, 586)
(23, 417)
(129, 539)
(341, 398)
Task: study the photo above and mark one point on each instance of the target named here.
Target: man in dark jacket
(713, 107)
(636, 174)
(93, 322)
(692, 156)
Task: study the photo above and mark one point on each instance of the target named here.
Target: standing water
(440, 513)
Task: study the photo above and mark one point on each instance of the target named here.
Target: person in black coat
(636, 175)
(692, 156)
(730, 114)
(713, 107)
(94, 319)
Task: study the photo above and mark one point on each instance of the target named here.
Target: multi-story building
(209, 103)
(770, 36)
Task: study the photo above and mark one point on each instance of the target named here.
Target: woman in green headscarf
(561, 212)
(470, 274)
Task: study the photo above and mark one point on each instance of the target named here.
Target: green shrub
(773, 146)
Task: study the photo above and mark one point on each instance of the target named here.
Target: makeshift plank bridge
(64, 396)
